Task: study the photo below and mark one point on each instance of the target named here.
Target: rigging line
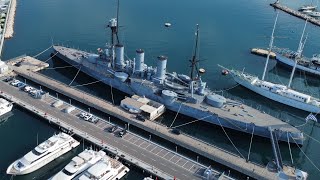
(227, 88)
(51, 57)
(250, 143)
(229, 138)
(191, 121)
(312, 138)
(86, 83)
(75, 76)
(176, 115)
(277, 75)
(301, 125)
(43, 51)
(305, 154)
(289, 148)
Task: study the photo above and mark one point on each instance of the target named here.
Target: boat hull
(290, 63)
(136, 88)
(40, 164)
(277, 97)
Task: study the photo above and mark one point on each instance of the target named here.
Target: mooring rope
(250, 143)
(289, 148)
(51, 57)
(176, 115)
(305, 154)
(75, 76)
(192, 121)
(42, 51)
(230, 139)
(86, 83)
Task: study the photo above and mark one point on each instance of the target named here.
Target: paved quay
(145, 154)
(298, 14)
(8, 33)
(210, 151)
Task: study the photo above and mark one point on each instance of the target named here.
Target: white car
(83, 114)
(28, 88)
(15, 82)
(88, 116)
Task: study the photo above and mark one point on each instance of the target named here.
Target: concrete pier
(208, 150)
(134, 149)
(296, 13)
(8, 33)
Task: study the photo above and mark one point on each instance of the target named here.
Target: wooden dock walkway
(208, 150)
(296, 13)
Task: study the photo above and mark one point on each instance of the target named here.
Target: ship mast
(194, 60)
(270, 47)
(114, 26)
(299, 52)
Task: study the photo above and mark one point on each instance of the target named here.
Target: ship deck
(232, 111)
(158, 157)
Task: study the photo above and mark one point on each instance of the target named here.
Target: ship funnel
(139, 60)
(161, 67)
(119, 56)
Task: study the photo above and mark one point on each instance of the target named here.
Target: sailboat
(278, 92)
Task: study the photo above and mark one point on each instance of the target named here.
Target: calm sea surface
(228, 29)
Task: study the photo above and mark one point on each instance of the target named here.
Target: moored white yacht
(105, 169)
(314, 14)
(78, 164)
(5, 106)
(277, 92)
(307, 7)
(43, 154)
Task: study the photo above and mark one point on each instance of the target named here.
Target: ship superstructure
(78, 164)
(43, 154)
(105, 169)
(187, 95)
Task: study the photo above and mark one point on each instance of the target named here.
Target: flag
(311, 117)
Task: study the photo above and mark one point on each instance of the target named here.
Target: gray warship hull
(232, 115)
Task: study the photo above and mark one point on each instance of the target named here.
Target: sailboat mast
(299, 52)
(270, 47)
(194, 60)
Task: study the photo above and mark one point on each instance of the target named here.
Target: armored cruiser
(187, 95)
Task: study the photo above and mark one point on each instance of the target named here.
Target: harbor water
(228, 30)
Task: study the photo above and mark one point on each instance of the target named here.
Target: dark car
(8, 79)
(140, 117)
(113, 129)
(176, 131)
(122, 133)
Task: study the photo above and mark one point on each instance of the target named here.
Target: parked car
(122, 133)
(94, 119)
(140, 117)
(88, 117)
(8, 79)
(27, 88)
(176, 131)
(15, 82)
(83, 114)
(21, 85)
(113, 129)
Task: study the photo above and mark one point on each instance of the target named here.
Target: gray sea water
(228, 29)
